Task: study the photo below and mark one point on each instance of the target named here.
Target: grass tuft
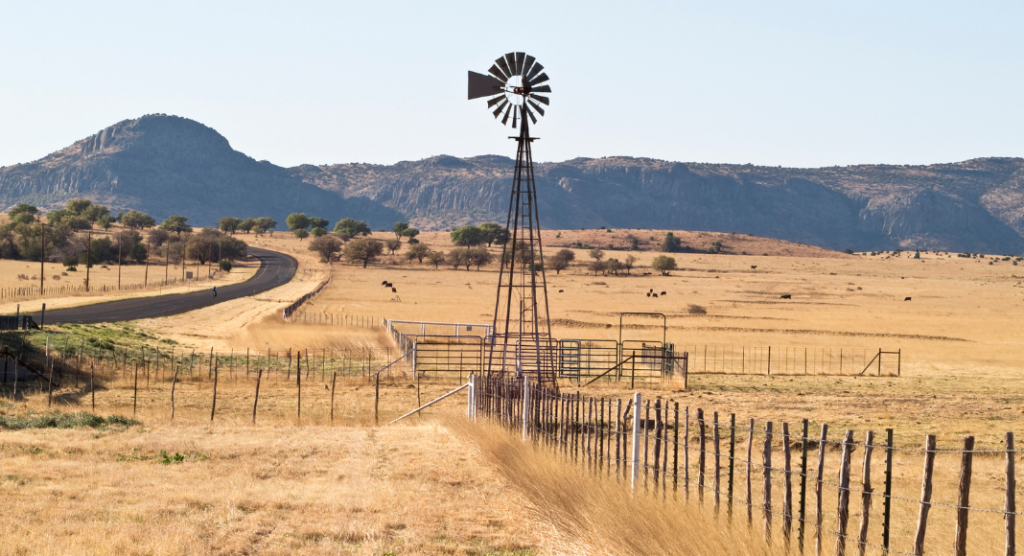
(58, 420)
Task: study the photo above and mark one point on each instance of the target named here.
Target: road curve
(275, 269)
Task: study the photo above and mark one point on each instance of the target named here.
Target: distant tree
(317, 222)
(328, 246)
(135, 220)
(247, 225)
(139, 253)
(301, 233)
(351, 227)
(318, 231)
(411, 233)
(176, 224)
(156, 237)
(393, 244)
(364, 250)
(557, 263)
(566, 254)
(400, 228)
(467, 236)
(479, 256)
(417, 251)
(229, 224)
(613, 266)
(493, 233)
(716, 247)
(596, 266)
(297, 221)
(210, 244)
(671, 244)
(634, 243)
(105, 221)
(436, 258)
(257, 229)
(23, 213)
(628, 263)
(459, 257)
(848, 251)
(267, 224)
(596, 254)
(663, 264)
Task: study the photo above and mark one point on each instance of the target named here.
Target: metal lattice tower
(521, 344)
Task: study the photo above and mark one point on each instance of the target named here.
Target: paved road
(275, 269)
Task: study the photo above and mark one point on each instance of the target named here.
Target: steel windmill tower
(521, 344)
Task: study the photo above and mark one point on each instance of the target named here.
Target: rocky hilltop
(977, 205)
(166, 165)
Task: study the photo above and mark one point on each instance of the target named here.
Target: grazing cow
(560, 291)
(384, 283)
(906, 299)
(654, 295)
(663, 293)
(753, 267)
(648, 294)
(787, 296)
(650, 290)
(394, 290)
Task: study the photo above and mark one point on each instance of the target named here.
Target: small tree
(436, 258)
(597, 266)
(106, 220)
(364, 250)
(301, 233)
(457, 257)
(467, 236)
(628, 263)
(566, 254)
(317, 222)
(557, 263)
(663, 264)
(176, 224)
(229, 224)
(613, 266)
(267, 224)
(318, 231)
(23, 213)
(400, 228)
(417, 251)
(671, 244)
(596, 254)
(393, 244)
(411, 233)
(327, 246)
(351, 227)
(135, 220)
(297, 221)
(479, 256)
(247, 225)
(493, 233)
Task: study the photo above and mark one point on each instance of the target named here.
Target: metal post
(635, 454)
(887, 500)
(526, 406)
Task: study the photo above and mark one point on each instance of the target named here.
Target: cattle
(906, 299)
(753, 267)
(663, 293)
(787, 296)
(384, 283)
(560, 291)
(654, 295)
(394, 290)
(648, 294)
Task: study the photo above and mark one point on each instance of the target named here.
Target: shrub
(663, 264)
(696, 310)
(225, 265)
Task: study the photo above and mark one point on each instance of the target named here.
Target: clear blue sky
(812, 83)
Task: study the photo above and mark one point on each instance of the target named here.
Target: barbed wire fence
(888, 500)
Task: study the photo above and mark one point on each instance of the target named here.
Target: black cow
(906, 299)
(394, 290)
(662, 293)
(648, 294)
(787, 296)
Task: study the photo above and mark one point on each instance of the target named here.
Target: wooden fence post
(135, 389)
(1011, 499)
(787, 485)
(732, 458)
(843, 506)
(675, 452)
(334, 379)
(174, 382)
(298, 386)
(817, 489)
(718, 462)
(635, 454)
(256, 401)
(766, 461)
(750, 463)
(887, 500)
(862, 540)
(686, 451)
(92, 383)
(216, 373)
(376, 401)
(926, 494)
(963, 500)
(803, 487)
(701, 458)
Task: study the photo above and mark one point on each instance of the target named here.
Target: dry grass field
(433, 486)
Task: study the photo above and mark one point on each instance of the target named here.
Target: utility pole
(42, 256)
(88, 258)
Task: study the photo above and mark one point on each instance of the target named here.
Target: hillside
(976, 205)
(169, 165)
(165, 164)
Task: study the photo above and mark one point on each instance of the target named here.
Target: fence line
(298, 302)
(638, 442)
(32, 292)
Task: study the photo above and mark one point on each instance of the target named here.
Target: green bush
(225, 265)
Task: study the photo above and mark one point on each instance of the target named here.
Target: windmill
(521, 343)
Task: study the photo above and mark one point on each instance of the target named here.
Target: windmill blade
(497, 112)
(528, 63)
(536, 107)
(510, 60)
(515, 116)
(481, 85)
(519, 62)
(504, 121)
(539, 79)
(545, 100)
(537, 68)
(504, 66)
(529, 113)
(495, 100)
(496, 72)
(542, 89)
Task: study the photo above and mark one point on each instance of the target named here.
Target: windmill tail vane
(516, 88)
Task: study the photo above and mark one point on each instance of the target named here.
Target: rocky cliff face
(973, 206)
(164, 164)
(169, 165)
